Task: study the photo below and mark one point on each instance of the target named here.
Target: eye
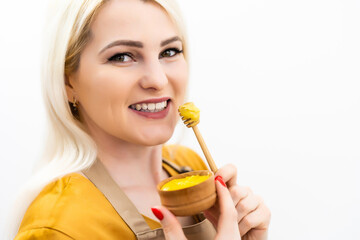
(121, 57)
(171, 52)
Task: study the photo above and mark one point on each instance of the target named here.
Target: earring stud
(75, 104)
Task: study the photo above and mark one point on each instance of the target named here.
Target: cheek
(98, 87)
(106, 83)
(103, 94)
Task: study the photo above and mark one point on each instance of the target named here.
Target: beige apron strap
(200, 231)
(98, 175)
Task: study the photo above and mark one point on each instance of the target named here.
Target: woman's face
(132, 75)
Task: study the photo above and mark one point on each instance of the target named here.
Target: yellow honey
(190, 111)
(182, 183)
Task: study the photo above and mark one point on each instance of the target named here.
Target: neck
(130, 165)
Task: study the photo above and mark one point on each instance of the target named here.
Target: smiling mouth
(150, 107)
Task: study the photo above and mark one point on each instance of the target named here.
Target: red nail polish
(157, 213)
(219, 178)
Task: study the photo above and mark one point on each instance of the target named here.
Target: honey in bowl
(185, 182)
(188, 193)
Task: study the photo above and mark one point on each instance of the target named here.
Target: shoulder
(60, 201)
(42, 233)
(68, 206)
(183, 156)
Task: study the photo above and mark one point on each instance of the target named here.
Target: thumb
(171, 226)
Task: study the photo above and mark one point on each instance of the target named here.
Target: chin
(154, 142)
(156, 136)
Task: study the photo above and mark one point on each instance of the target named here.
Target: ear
(69, 88)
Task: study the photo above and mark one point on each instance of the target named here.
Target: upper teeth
(149, 107)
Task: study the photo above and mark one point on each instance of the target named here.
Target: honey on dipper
(190, 114)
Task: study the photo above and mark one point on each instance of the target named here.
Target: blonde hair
(68, 147)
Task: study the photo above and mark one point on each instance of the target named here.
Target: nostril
(154, 79)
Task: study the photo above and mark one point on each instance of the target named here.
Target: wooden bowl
(192, 200)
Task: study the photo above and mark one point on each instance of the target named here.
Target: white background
(278, 83)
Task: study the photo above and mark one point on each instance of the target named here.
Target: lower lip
(154, 115)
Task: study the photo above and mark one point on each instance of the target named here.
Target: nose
(154, 76)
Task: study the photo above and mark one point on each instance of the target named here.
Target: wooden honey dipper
(190, 114)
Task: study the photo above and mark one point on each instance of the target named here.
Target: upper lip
(153, 100)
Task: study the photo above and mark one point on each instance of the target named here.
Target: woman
(114, 75)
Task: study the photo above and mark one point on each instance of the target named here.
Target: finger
(212, 217)
(228, 173)
(238, 193)
(257, 220)
(212, 214)
(227, 224)
(171, 226)
(247, 205)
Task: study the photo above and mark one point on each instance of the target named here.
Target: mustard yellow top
(73, 208)
(182, 183)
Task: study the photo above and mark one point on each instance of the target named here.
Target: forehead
(134, 20)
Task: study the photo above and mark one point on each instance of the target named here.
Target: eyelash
(176, 50)
(113, 58)
(126, 54)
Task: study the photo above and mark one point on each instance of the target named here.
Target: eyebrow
(170, 40)
(138, 44)
(124, 43)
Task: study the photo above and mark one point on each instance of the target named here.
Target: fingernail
(157, 213)
(219, 178)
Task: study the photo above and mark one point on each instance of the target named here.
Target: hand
(227, 226)
(253, 216)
